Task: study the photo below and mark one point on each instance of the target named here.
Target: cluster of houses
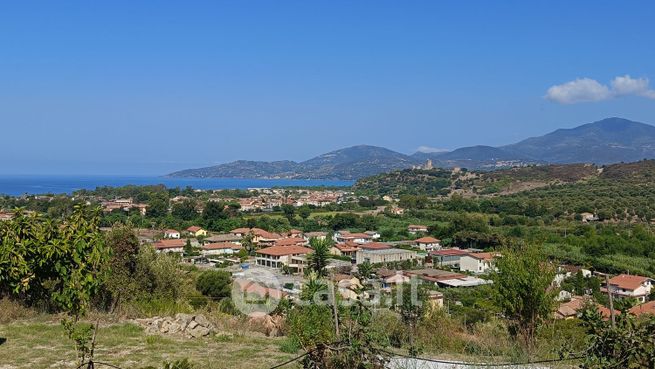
(622, 286)
(122, 204)
(267, 199)
(442, 267)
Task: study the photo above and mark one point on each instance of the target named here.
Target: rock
(174, 328)
(165, 325)
(198, 331)
(200, 319)
(183, 319)
(192, 324)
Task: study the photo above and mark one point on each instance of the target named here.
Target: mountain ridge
(611, 140)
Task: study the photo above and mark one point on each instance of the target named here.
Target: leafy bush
(215, 284)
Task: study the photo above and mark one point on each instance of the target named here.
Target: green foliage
(319, 257)
(216, 284)
(521, 290)
(58, 263)
(629, 344)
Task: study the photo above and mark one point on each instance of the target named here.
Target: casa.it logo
(256, 293)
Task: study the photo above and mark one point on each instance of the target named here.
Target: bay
(17, 185)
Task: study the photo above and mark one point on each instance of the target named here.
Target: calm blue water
(18, 185)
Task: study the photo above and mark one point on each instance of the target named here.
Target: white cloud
(587, 89)
(428, 149)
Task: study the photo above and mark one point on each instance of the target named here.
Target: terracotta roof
(347, 246)
(427, 240)
(354, 235)
(482, 255)
(221, 246)
(169, 244)
(449, 252)
(171, 231)
(193, 229)
(417, 226)
(251, 287)
(628, 282)
(375, 246)
(290, 241)
(285, 250)
(240, 230)
(647, 308)
(265, 234)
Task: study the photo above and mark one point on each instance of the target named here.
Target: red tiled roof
(427, 240)
(169, 244)
(449, 252)
(285, 250)
(193, 229)
(290, 241)
(251, 287)
(482, 255)
(171, 231)
(347, 246)
(240, 230)
(221, 246)
(647, 308)
(375, 246)
(628, 282)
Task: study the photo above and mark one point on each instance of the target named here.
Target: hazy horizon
(141, 88)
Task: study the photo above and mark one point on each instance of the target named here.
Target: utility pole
(335, 311)
(609, 293)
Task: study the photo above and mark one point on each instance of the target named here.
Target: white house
(388, 255)
(171, 245)
(171, 233)
(220, 248)
(447, 257)
(415, 228)
(477, 263)
(634, 286)
(427, 243)
(279, 256)
(344, 236)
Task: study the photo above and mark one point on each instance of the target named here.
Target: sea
(18, 185)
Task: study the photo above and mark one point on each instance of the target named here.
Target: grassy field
(41, 343)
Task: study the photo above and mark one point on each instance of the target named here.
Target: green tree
(319, 257)
(216, 284)
(185, 210)
(521, 290)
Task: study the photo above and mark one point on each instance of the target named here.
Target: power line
(482, 364)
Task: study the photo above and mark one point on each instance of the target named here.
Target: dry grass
(40, 343)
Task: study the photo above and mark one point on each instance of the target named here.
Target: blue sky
(147, 87)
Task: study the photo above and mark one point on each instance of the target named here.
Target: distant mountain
(611, 140)
(607, 141)
(476, 157)
(349, 164)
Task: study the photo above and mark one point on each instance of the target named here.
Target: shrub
(215, 284)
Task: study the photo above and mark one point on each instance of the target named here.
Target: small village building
(427, 243)
(175, 245)
(224, 237)
(646, 308)
(296, 241)
(196, 231)
(345, 249)
(318, 235)
(633, 286)
(447, 257)
(171, 233)
(415, 228)
(222, 248)
(477, 263)
(384, 255)
(344, 236)
(279, 256)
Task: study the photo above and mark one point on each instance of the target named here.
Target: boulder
(201, 320)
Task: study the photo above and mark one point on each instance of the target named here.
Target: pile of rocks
(186, 325)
